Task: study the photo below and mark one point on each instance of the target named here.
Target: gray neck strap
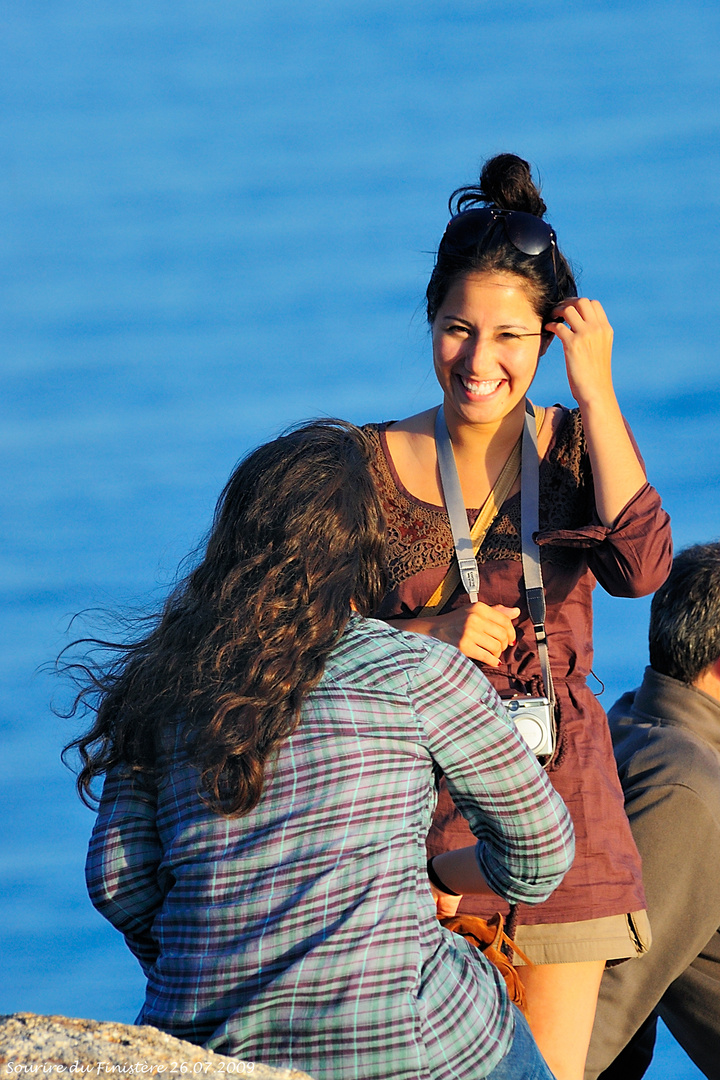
(529, 506)
(455, 504)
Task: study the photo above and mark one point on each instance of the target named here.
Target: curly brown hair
(298, 538)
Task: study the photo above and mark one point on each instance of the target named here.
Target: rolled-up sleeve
(123, 860)
(634, 556)
(524, 831)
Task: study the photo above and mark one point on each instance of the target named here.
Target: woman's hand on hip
(477, 630)
(586, 337)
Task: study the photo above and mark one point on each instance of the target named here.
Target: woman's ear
(546, 340)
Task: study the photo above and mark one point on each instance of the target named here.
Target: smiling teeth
(488, 386)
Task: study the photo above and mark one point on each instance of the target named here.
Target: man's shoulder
(651, 751)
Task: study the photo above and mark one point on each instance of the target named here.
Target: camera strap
(481, 527)
(455, 505)
(529, 524)
(529, 515)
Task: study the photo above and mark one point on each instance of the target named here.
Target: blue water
(217, 219)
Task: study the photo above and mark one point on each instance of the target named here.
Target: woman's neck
(490, 442)
(480, 450)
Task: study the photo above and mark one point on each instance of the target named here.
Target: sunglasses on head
(527, 233)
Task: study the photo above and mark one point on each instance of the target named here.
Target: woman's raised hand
(479, 631)
(586, 337)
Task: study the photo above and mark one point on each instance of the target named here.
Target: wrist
(438, 882)
(599, 406)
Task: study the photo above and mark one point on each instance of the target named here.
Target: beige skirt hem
(613, 938)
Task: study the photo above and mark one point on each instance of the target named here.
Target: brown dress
(632, 558)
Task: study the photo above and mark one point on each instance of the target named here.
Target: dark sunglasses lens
(466, 230)
(528, 233)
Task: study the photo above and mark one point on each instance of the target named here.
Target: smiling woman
(499, 292)
(487, 340)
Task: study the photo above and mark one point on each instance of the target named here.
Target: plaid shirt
(304, 934)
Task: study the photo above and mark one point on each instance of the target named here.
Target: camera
(534, 722)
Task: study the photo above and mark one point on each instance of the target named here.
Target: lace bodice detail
(419, 533)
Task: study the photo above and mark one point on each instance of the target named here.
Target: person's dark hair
(685, 615)
(298, 536)
(505, 183)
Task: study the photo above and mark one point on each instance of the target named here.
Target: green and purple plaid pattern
(304, 933)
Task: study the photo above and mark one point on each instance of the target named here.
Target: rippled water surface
(218, 218)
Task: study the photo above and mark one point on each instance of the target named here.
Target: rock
(53, 1045)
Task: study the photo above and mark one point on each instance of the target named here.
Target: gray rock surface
(52, 1046)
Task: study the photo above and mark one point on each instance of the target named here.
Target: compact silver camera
(534, 721)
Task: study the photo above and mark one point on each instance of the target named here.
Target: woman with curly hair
(270, 752)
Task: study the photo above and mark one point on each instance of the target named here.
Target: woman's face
(487, 341)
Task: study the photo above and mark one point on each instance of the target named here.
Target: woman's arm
(525, 834)
(586, 337)
(480, 632)
(123, 860)
(454, 873)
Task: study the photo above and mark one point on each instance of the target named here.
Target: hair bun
(505, 182)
